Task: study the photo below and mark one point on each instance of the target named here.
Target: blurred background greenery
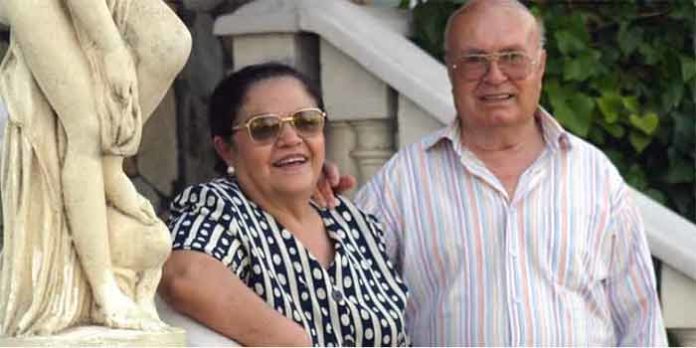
(620, 74)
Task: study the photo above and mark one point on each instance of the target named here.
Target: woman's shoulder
(353, 215)
(214, 192)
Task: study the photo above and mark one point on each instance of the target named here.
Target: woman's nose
(288, 134)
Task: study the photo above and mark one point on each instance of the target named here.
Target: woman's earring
(230, 170)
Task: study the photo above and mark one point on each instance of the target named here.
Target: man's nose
(494, 74)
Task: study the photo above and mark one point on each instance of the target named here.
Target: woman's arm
(204, 289)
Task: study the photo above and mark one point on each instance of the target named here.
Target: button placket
(512, 269)
(337, 295)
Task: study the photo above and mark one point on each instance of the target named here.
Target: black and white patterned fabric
(359, 300)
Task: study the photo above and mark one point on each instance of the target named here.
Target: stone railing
(382, 92)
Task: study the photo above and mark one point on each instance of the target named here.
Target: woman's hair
(231, 92)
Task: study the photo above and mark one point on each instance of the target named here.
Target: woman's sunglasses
(266, 128)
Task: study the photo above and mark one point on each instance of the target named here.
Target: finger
(346, 182)
(121, 91)
(331, 173)
(319, 198)
(328, 196)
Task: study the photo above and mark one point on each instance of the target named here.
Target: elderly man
(508, 229)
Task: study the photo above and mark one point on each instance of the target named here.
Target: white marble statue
(81, 246)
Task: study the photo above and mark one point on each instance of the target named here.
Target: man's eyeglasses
(266, 128)
(516, 65)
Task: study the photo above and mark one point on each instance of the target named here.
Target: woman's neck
(296, 214)
(287, 208)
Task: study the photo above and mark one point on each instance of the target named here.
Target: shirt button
(337, 295)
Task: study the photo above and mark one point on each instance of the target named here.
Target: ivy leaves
(621, 75)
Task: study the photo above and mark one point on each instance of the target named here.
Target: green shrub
(620, 74)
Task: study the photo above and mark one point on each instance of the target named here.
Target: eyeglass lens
(306, 123)
(515, 65)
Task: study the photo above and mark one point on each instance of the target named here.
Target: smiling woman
(254, 258)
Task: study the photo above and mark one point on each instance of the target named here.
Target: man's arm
(631, 287)
(204, 289)
(380, 197)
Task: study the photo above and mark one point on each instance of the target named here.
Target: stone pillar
(679, 305)
(340, 138)
(366, 104)
(375, 145)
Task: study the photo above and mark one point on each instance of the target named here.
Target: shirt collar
(555, 137)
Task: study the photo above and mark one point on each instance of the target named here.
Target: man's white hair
(472, 4)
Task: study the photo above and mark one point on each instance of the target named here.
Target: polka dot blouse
(357, 301)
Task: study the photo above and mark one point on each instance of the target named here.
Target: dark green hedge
(621, 74)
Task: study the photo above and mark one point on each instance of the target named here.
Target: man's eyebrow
(511, 48)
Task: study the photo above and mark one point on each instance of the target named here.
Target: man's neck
(506, 152)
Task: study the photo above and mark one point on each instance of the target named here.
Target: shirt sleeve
(380, 197)
(201, 220)
(631, 284)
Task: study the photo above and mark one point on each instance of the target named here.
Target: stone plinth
(96, 336)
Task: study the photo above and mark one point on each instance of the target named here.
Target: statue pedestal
(101, 336)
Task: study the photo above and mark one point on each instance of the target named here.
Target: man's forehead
(504, 26)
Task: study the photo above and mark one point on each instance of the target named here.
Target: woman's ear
(224, 149)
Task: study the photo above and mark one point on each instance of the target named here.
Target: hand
(121, 98)
(120, 72)
(330, 184)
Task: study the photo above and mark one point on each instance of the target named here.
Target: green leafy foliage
(621, 74)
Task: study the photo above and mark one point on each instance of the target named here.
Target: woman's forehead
(277, 95)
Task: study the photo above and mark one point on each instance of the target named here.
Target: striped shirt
(563, 262)
(358, 300)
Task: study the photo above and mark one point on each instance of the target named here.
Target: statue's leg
(162, 44)
(122, 195)
(55, 58)
(146, 289)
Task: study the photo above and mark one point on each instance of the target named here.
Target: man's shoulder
(590, 155)
(584, 148)
(400, 171)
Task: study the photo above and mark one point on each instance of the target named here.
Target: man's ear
(224, 149)
(542, 62)
(448, 66)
